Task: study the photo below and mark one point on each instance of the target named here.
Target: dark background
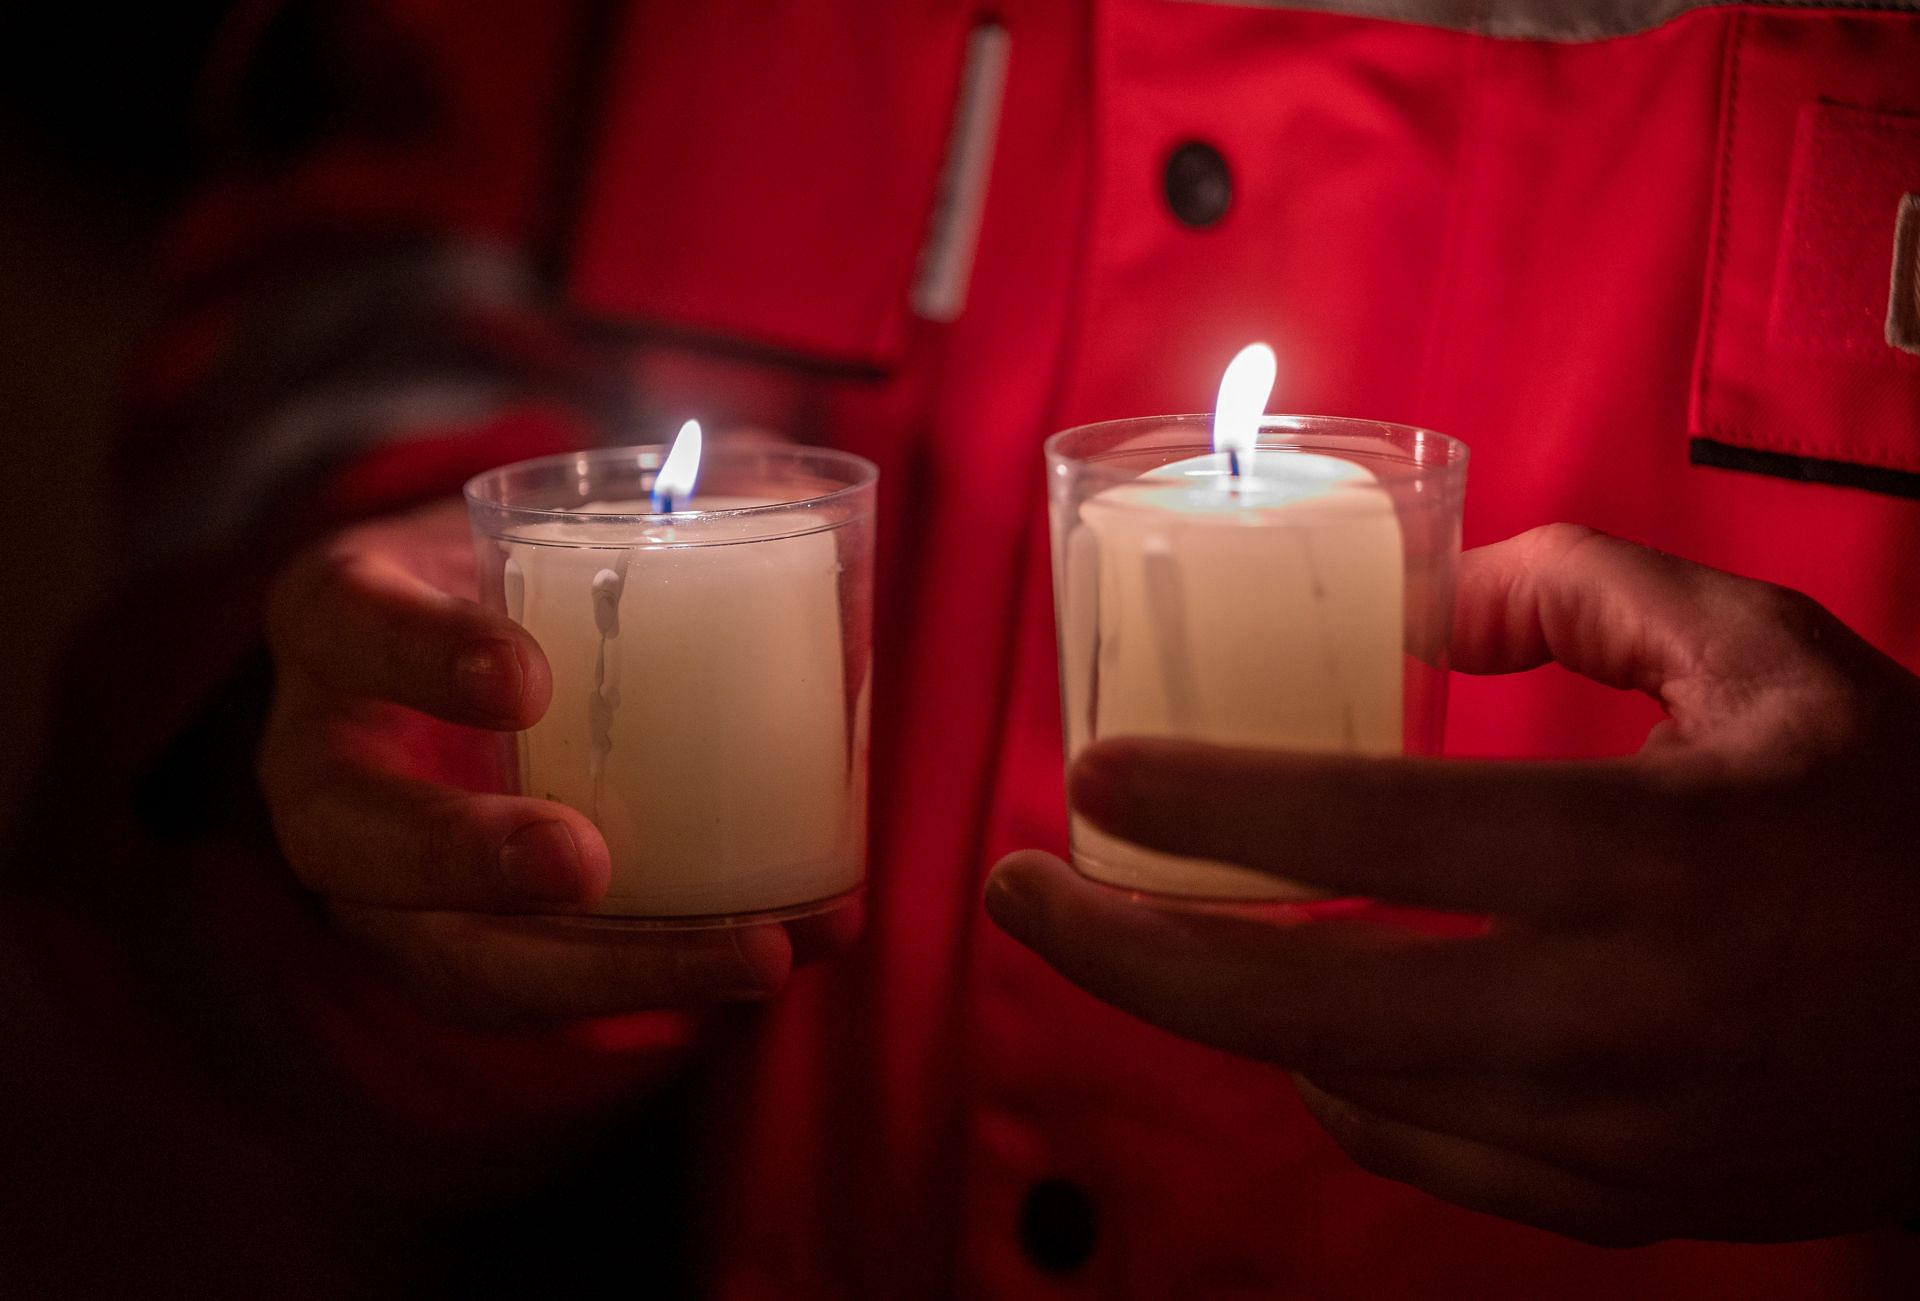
(99, 135)
(126, 1168)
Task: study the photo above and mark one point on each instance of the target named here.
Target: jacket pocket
(765, 174)
(1802, 369)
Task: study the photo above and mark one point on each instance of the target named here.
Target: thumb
(1624, 615)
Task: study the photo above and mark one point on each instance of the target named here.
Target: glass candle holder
(711, 668)
(1296, 598)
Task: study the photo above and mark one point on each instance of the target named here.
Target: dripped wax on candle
(699, 708)
(1263, 610)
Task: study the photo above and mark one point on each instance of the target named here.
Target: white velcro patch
(946, 261)
(1903, 303)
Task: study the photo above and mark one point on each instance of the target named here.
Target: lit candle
(1250, 597)
(700, 711)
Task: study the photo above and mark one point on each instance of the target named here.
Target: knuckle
(308, 583)
(1774, 631)
(1791, 611)
(1559, 538)
(447, 852)
(1551, 545)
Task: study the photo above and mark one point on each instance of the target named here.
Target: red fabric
(425, 464)
(1562, 253)
(1820, 138)
(748, 164)
(1850, 169)
(1504, 240)
(449, 112)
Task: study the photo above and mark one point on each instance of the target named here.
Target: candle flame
(1244, 391)
(675, 481)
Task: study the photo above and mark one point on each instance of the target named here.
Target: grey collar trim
(1546, 20)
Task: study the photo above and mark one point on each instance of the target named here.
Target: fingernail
(487, 677)
(1010, 902)
(540, 863)
(766, 958)
(1100, 783)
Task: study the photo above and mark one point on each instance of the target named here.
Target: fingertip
(502, 680)
(1024, 870)
(1015, 896)
(596, 861)
(536, 679)
(555, 862)
(825, 934)
(765, 956)
(1100, 782)
(1128, 785)
(490, 681)
(540, 866)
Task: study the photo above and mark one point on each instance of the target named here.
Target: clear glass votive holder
(1304, 603)
(712, 669)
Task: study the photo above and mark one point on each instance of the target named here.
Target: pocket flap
(766, 173)
(1798, 372)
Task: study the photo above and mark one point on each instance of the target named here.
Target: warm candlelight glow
(709, 664)
(675, 481)
(1215, 600)
(1244, 391)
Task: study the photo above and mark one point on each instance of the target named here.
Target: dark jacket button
(1057, 1226)
(1199, 186)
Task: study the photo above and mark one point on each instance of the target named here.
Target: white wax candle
(1260, 611)
(699, 711)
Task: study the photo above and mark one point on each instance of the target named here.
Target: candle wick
(1233, 462)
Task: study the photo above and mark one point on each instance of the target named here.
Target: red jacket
(1636, 253)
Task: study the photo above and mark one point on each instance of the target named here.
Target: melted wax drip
(604, 702)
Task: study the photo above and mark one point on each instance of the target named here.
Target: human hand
(1695, 1010)
(388, 679)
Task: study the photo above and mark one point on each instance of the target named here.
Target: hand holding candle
(1694, 1013)
(379, 766)
(381, 775)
